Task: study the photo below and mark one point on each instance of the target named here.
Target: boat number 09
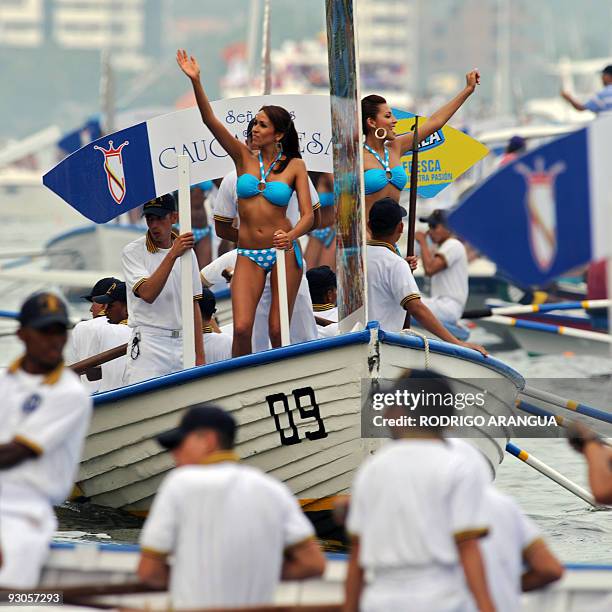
(309, 411)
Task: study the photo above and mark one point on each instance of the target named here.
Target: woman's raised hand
(188, 64)
(472, 79)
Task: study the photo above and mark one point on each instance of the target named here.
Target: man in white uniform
(447, 267)
(302, 326)
(232, 530)
(84, 338)
(392, 290)
(217, 346)
(153, 280)
(324, 293)
(113, 335)
(45, 416)
(416, 515)
(515, 554)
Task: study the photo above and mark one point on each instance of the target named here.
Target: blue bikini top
(326, 199)
(276, 192)
(376, 179)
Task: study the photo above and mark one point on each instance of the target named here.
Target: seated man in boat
(447, 267)
(45, 417)
(113, 335)
(232, 530)
(84, 337)
(416, 513)
(392, 290)
(324, 293)
(217, 345)
(153, 280)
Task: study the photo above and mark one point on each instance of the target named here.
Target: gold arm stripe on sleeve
(316, 206)
(197, 298)
(152, 552)
(35, 448)
(137, 285)
(223, 219)
(409, 298)
(470, 534)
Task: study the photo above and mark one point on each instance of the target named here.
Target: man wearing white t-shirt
(232, 530)
(114, 334)
(45, 416)
(416, 514)
(217, 346)
(153, 278)
(84, 337)
(447, 267)
(515, 555)
(392, 290)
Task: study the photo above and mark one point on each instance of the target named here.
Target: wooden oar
(81, 367)
(530, 308)
(560, 330)
(547, 471)
(567, 404)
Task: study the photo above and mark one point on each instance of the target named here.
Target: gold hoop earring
(384, 133)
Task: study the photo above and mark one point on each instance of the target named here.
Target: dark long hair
(282, 122)
(369, 109)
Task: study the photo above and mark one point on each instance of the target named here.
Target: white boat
(583, 587)
(299, 410)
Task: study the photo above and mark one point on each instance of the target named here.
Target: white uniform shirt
(329, 312)
(227, 526)
(113, 372)
(452, 282)
(84, 341)
(225, 207)
(50, 415)
(138, 263)
(411, 503)
(217, 346)
(391, 286)
(512, 532)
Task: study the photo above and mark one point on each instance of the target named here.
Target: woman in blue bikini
(384, 175)
(321, 249)
(262, 204)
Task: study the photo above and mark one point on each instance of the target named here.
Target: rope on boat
(425, 339)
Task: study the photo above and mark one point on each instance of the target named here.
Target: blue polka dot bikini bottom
(266, 258)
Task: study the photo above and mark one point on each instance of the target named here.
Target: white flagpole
(282, 296)
(184, 205)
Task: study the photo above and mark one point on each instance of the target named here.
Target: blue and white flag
(123, 170)
(547, 212)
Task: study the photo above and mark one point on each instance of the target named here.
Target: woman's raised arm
(234, 147)
(442, 115)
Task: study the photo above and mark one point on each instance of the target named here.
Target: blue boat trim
(444, 348)
(222, 294)
(264, 357)
(88, 229)
(8, 314)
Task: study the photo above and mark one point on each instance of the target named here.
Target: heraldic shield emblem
(541, 210)
(113, 166)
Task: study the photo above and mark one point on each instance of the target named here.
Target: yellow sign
(443, 156)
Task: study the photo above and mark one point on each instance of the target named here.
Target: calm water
(575, 532)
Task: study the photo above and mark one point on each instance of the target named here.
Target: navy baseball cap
(43, 309)
(385, 214)
(117, 292)
(160, 207)
(100, 288)
(200, 416)
(437, 217)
